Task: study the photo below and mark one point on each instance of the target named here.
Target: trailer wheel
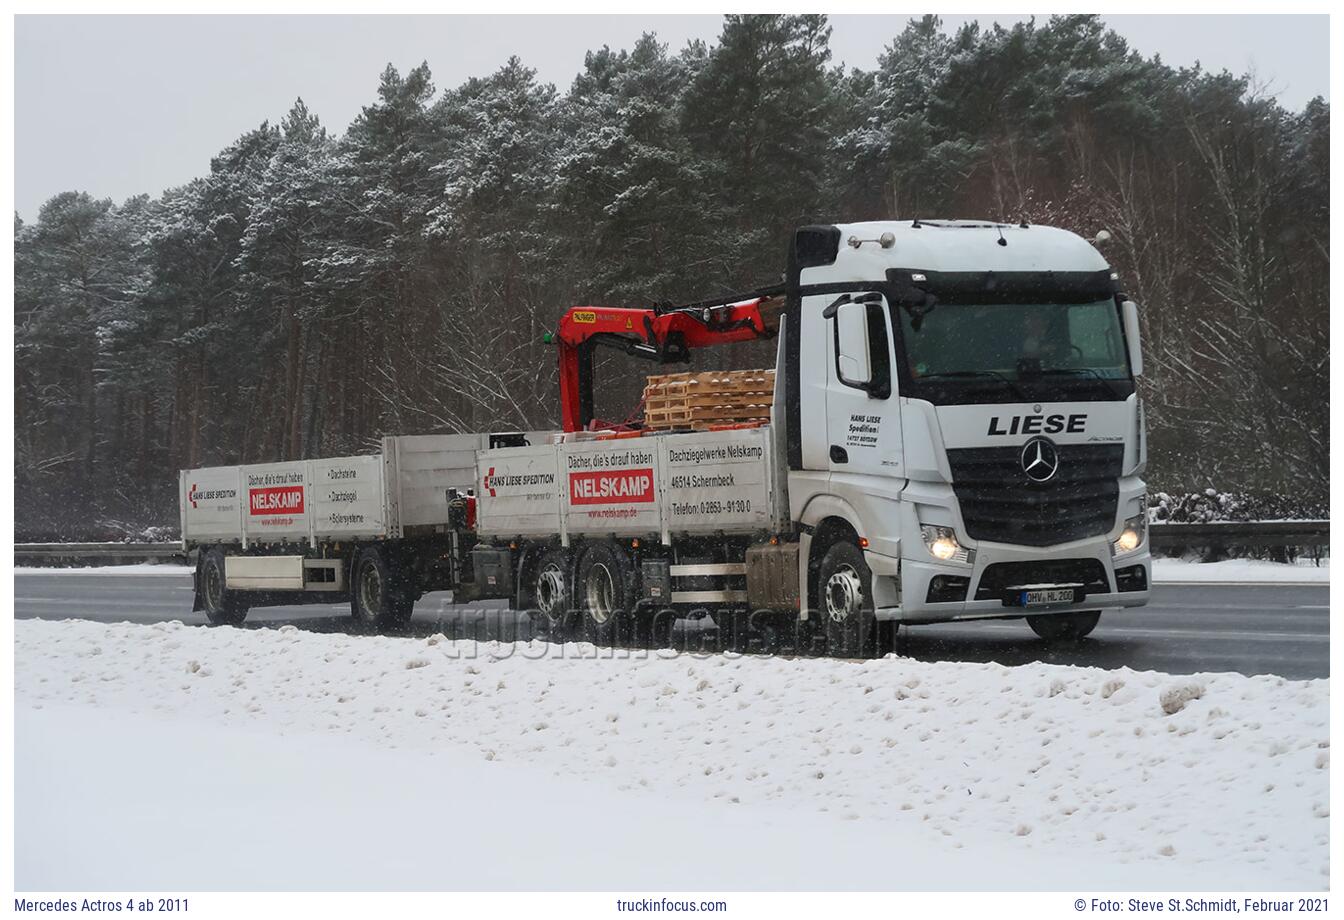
(552, 607)
(1064, 627)
(379, 599)
(845, 586)
(222, 606)
(606, 593)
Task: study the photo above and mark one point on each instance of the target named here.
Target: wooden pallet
(708, 398)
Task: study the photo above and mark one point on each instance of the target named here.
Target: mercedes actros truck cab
(962, 397)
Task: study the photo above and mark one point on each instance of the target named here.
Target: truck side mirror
(851, 344)
(1130, 312)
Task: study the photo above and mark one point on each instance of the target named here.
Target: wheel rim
(550, 588)
(214, 587)
(844, 594)
(370, 589)
(601, 593)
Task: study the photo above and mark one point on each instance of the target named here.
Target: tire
(379, 597)
(1064, 627)
(222, 607)
(552, 594)
(845, 602)
(606, 592)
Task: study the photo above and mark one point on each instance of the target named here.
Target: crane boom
(664, 335)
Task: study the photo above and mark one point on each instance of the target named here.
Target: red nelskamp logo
(611, 487)
(276, 500)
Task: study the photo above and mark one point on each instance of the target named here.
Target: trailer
(951, 431)
(296, 531)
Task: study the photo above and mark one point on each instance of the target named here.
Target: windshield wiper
(995, 375)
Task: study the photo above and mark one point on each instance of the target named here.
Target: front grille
(1089, 573)
(999, 503)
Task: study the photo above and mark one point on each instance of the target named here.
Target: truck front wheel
(845, 589)
(379, 600)
(222, 607)
(1064, 627)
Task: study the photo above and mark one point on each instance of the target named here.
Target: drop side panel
(612, 487)
(518, 493)
(348, 499)
(718, 480)
(211, 505)
(276, 500)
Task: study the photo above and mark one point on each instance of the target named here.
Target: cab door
(862, 412)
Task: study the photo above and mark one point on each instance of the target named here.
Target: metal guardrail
(1163, 536)
(58, 551)
(1240, 533)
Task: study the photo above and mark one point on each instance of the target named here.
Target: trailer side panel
(348, 497)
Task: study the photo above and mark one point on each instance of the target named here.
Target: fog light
(1131, 538)
(942, 544)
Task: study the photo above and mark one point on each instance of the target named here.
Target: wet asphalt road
(1255, 629)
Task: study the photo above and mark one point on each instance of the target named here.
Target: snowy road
(1280, 629)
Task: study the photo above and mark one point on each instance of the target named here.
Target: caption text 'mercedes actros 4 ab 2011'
(951, 432)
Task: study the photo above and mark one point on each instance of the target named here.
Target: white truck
(955, 435)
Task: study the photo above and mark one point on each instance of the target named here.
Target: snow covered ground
(168, 757)
(1240, 571)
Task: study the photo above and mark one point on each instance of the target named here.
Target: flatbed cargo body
(660, 485)
(397, 492)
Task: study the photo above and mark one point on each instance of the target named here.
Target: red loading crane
(663, 334)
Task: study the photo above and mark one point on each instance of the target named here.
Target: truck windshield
(1014, 343)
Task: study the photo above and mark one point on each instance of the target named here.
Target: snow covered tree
(311, 292)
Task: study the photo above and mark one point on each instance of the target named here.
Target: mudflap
(196, 603)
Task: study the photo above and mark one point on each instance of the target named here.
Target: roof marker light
(918, 276)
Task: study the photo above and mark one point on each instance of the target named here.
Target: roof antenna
(915, 225)
(1002, 241)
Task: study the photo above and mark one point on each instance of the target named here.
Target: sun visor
(912, 286)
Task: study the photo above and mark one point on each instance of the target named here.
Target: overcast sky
(118, 105)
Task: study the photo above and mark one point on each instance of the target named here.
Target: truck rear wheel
(1064, 627)
(379, 599)
(552, 607)
(845, 589)
(606, 593)
(222, 607)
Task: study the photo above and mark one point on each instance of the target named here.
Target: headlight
(1131, 538)
(942, 544)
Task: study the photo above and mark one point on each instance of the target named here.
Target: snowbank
(173, 757)
(1240, 571)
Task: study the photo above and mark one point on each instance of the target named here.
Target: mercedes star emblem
(1040, 459)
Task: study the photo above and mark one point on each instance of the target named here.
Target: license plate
(1045, 597)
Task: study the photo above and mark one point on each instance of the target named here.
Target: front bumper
(917, 575)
